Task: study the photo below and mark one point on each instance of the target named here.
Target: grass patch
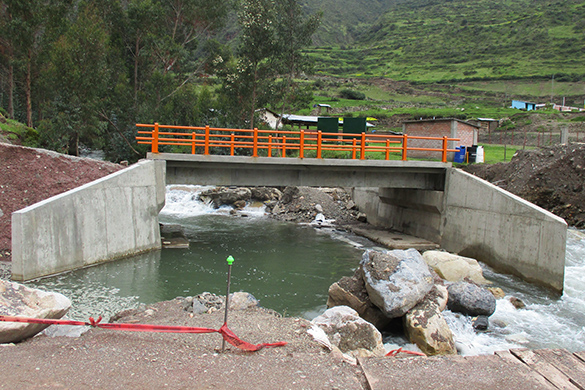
(499, 153)
(16, 132)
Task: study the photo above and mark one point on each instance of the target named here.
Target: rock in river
(351, 291)
(454, 268)
(426, 327)
(470, 299)
(396, 280)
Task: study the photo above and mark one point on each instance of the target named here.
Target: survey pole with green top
(230, 261)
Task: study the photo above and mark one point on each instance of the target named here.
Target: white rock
(454, 268)
(395, 280)
(350, 333)
(242, 300)
(19, 300)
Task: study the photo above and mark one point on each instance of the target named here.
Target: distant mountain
(442, 40)
(343, 19)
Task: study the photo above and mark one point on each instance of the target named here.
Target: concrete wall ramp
(110, 218)
(483, 221)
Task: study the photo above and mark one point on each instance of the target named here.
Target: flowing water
(289, 268)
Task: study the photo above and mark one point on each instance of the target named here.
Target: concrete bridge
(426, 199)
(430, 200)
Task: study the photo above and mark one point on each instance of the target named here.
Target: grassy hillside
(446, 41)
(14, 132)
(343, 20)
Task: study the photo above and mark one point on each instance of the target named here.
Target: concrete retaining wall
(110, 218)
(483, 221)
(477, 219)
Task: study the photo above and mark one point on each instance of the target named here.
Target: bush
(351, 94)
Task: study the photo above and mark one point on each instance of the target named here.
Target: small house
(522, 105)
(450, 127)
(269, 117)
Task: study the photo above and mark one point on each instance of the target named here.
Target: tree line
(85, 72)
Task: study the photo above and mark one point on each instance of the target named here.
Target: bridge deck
(274, 171)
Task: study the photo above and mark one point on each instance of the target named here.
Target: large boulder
(351, 291)
(350, 333)
(395, 280)
(426, 327)
(265, 194)
(19, 300)
(207, 302)
(226, 196)
(471, 299)
(242, 300)
(454, 268)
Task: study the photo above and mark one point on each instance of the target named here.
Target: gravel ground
(135, 360)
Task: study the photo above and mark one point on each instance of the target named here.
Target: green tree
(143, 25)
(253, 77)
(27, 28)
(80, 76)
(294, 32)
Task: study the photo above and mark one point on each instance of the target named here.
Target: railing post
(363, 147)
(193, 141)
(255, 150)
(232, 144)
(387, 149)
(154, 148)
(404, 146)
(284, 146)
(319, 140)
(302, 145)
(354, 149)
(206, 152)
(270, 145)
(444, 149)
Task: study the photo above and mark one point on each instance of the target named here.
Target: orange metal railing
(279, 142)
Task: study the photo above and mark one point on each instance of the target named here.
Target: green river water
(288, 267)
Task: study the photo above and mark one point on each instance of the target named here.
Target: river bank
(134, 360)
(305, 213)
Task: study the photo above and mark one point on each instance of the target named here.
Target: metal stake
(230, 261)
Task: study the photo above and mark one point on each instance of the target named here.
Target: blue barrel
(459, 155)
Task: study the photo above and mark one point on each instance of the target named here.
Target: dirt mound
(28, 176)
(550, 177)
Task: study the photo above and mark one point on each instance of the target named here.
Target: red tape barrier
(395, 352)
(225, 332)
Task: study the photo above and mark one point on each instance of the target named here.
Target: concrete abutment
(110, 218)
(474, 218)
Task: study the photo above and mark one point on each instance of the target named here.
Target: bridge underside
(264, 171)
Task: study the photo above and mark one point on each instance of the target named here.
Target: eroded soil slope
(28, 176)
(552, 178)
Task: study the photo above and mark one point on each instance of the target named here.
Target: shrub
(352, 94)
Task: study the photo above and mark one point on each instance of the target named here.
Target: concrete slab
(455, 372)
(393, 240)
(175, 243)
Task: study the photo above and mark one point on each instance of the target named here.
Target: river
(289, 268)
